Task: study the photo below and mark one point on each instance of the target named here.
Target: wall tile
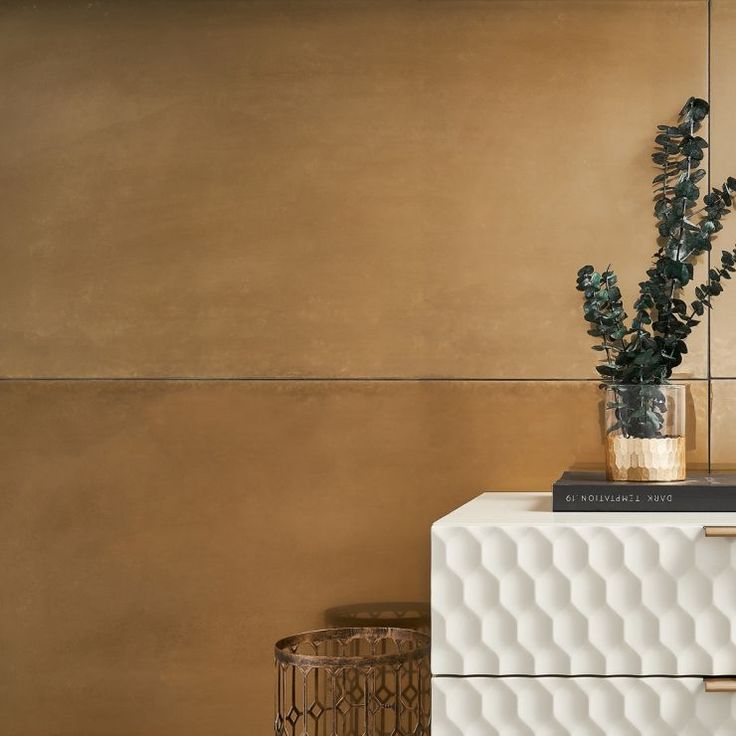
(158, 537)
(723, 437)
(723, 157)
(331, 189)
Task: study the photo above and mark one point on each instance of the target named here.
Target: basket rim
(283, 654)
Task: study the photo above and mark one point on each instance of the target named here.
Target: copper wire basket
(366, 681)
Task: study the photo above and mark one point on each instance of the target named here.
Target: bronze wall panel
(723, 437)
(157, 537)
(326, 188)
(723, 155)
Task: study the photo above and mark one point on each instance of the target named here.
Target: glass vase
(645, 432)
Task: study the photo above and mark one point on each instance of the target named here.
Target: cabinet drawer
(583, 598)
(579, 706)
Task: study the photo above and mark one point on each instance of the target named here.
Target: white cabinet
(580, 706)
(644, 603)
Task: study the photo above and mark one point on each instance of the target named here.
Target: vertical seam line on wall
(709, 48)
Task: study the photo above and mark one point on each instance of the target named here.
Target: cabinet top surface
(535, 509)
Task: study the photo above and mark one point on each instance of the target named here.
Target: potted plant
(644, 412)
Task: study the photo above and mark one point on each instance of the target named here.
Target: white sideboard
(543, 620)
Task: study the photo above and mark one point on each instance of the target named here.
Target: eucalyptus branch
(603, 309)
(648, 351)
(683, 218)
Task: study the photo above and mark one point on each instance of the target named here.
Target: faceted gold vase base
(634, 458)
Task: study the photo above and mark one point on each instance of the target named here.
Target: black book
(590, 491)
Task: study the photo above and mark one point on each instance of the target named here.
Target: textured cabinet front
(581, 706)
(582, 597)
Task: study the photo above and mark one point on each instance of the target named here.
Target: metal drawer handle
(720, 684)
(720, 531)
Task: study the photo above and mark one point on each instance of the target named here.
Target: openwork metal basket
(367, 681)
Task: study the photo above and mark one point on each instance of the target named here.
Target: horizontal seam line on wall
(316, 379)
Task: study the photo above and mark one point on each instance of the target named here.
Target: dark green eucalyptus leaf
(697, 175)
(645, 358)
(711, 198)
(699, 109)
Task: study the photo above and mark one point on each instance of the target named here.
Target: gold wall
(284, 281)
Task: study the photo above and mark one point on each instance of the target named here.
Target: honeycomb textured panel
(581, 706)
(564, 597)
